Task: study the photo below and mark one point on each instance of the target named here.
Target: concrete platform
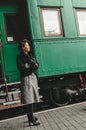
(72, 117)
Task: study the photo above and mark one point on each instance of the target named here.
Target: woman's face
(26, 48)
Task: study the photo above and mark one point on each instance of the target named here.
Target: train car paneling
(34, 19)
(34, 15)
(79, 3)
(57, 55)
(49, 3)
(60, 57)
(68, 20)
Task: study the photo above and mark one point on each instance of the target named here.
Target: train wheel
(59, 97)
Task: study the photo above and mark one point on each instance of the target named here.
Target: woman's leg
(29, 112)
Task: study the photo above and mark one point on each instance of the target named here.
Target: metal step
(10, 84)
(12, 102)
(19, 101)
(8, 106)
(13, 92)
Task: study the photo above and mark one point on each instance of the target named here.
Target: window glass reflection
(81, 15)
(51, 22)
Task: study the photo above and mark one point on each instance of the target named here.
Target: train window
(81, 18)
(51, 20)
(12, 27)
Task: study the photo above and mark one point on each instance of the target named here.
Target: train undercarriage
(63, 90)
(57, 91)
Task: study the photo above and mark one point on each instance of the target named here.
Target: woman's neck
(26, 52)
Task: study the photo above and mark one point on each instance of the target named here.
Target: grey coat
(29, 89)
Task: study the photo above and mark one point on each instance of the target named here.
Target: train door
(8, 39)
(12, 30)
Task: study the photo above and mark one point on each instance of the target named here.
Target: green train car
(57, 32)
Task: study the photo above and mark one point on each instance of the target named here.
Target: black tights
(29, 111)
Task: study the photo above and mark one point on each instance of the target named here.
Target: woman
(29, 87)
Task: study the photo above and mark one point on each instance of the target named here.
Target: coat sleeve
(34, 64)
(21, 65)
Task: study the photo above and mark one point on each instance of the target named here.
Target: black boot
(31, 118)
(33, 122)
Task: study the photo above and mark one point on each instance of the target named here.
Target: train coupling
(82, 91)
(71, 92)
(77, 92)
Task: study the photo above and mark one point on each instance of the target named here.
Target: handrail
(3, 71)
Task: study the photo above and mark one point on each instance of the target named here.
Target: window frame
(79, 10)
(59, 21)
(5, 25)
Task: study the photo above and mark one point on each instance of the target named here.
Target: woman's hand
(27, 65)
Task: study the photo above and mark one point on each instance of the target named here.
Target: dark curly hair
(22, 44)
